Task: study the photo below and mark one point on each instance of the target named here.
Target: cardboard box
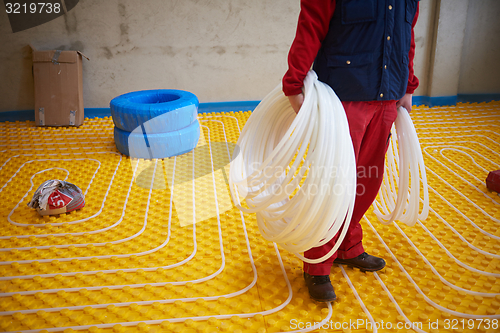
(58, 88)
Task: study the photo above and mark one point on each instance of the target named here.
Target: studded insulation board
(160, 248)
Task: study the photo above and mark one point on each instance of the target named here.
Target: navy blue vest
(364, 56)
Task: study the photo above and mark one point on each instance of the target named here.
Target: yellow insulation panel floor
(159, 247)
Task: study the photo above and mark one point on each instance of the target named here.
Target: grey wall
(446, 47)
(220, 50)
(480, 66)
(424, 32)
(464, 49)
(226, 50)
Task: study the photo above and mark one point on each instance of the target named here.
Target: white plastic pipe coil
(298, 172)
(405, 169)
(279, 150)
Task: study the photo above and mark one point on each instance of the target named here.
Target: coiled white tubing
(273, 161)
(404, 168)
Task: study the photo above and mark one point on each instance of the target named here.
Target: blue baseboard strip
(227, 106)
(434, 101)
(97, 112)
(452, 100)
(29, 115)
(477, 98)
(21, 115)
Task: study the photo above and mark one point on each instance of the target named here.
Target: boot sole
(361, 268)
(324, 300)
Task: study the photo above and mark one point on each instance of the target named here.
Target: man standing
(364, 50)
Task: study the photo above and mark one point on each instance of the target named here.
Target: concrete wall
(220, 50)
(480, 66)
(465, 48)
(446, 49)
(424, 36)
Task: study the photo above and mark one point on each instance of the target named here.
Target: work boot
(364, 262)
(320, 287)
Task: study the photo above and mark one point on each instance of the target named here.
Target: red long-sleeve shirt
(312, 27)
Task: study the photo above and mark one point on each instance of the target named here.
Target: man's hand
(405, 102)
(297, 100)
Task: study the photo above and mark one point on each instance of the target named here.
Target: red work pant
(370, 127)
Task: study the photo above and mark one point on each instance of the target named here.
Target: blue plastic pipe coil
(155, 123)
(178, 109)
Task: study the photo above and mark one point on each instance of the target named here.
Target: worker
(364, 50)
